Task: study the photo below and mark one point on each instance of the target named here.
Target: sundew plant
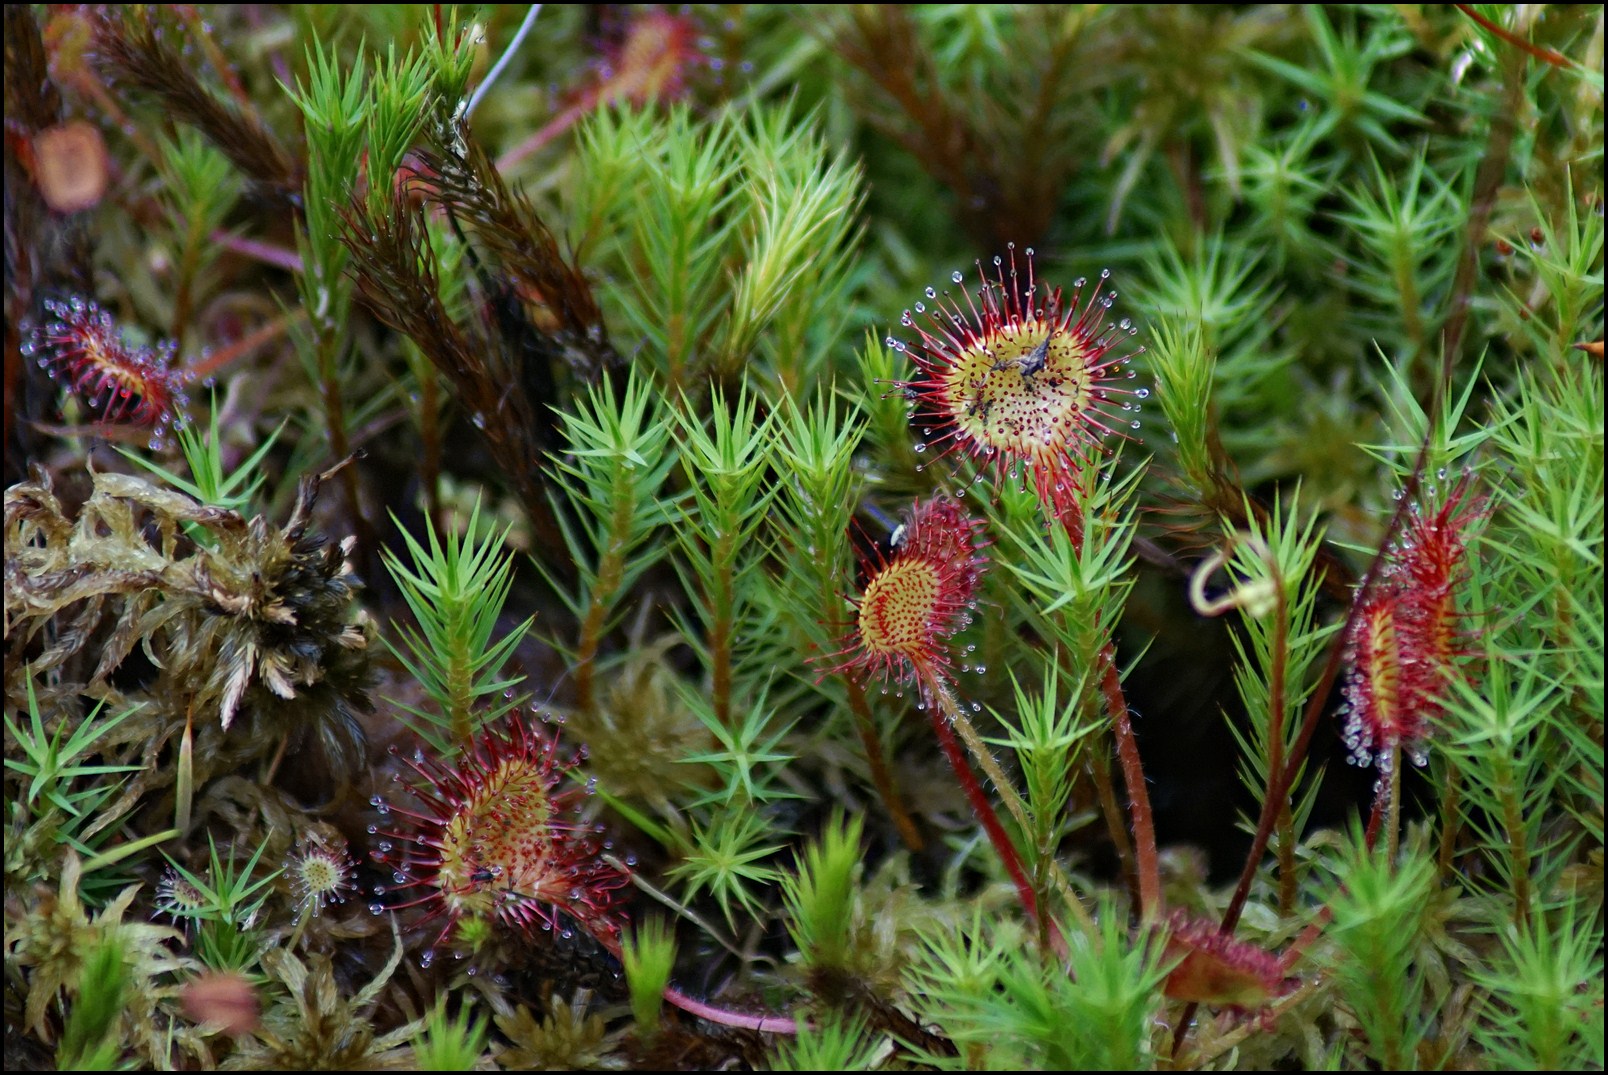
(846, 537)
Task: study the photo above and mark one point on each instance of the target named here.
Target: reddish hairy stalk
(1545, 55)
(769, 1024)
(1032, 380)
(940, 707)
(1116, 827)
(915, 600)
(1133, 775)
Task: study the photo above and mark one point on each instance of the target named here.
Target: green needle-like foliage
(678, 204)
(1380, 908)
(450, 1044)
(88, 1042)
(718, 534)
(224, 904)
(456, 590)
(815, 449)
(887, 614)
(829, 1044)
(1047, 738)
(1275, 588)
(202, 187)
(649, 956)
(1000, 1002)
(211, 481)
(1339, 70)
(728, 858)
(820, 896)
(64, 801)
(1075, 595)
(1402, 223)
(50, 765)
(617, 458)
(1545, 989)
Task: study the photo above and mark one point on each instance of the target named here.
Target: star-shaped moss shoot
(916, 598)
(493, 842)
(1021, 375)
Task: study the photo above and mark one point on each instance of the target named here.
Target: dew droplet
(956, 276)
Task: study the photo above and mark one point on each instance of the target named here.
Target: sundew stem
(945, 714)
(1133, 775)
(975, 745)
(769, 1024)
(1147, 861)
(941, 712)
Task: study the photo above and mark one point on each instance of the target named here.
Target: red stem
(770, 1024)
(1556, 59)
(939, 696)
(1133, 775)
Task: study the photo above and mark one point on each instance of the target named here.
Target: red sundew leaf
(1404, 641)
(1021, 375)
(1218, 970)
(490, 839)
(651, 63)
(916, 599)
(82, 348)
